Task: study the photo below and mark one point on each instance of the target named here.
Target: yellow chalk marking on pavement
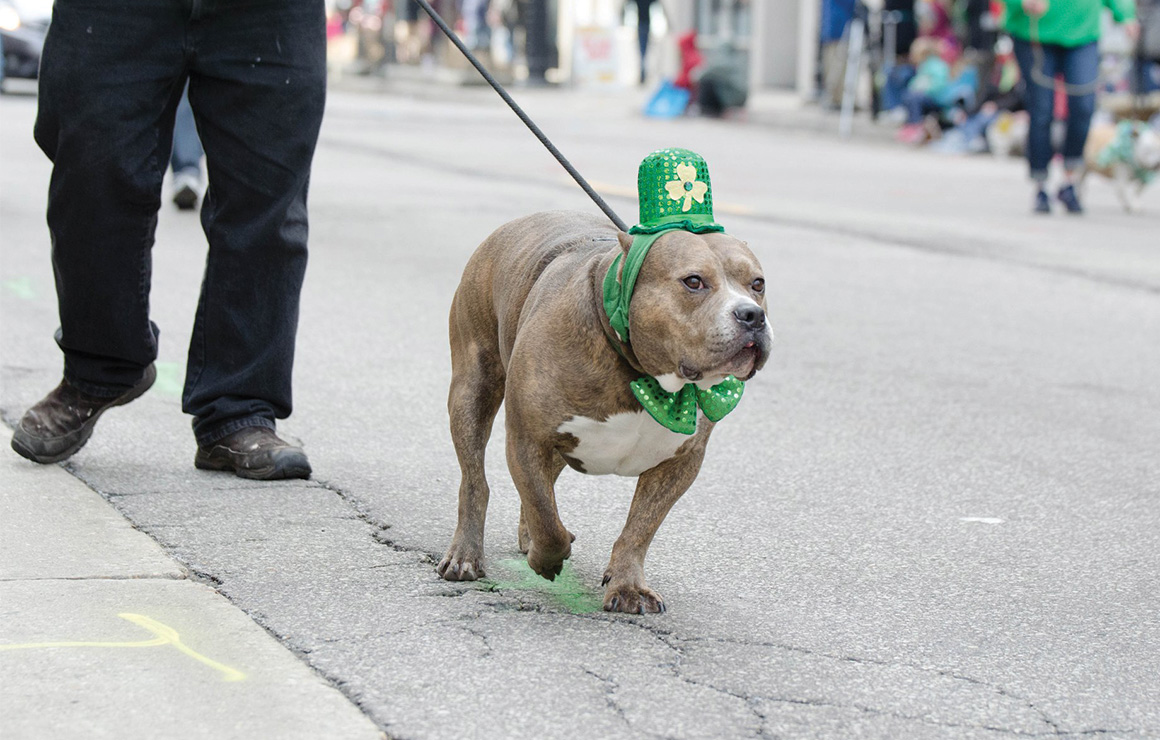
(605, 188)
(165, 635)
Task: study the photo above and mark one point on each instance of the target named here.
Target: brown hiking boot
(254, 452)
(63, 421)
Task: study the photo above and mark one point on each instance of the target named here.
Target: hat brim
(698, 224)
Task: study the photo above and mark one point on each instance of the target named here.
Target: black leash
(1039, 77)
(426, 6)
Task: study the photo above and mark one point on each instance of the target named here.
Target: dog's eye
(694, 282)
(758, 285)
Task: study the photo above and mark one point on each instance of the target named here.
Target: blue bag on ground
(669, 101)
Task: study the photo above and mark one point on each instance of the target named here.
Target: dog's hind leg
(477, 388)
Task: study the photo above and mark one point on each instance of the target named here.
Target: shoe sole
(288, 465)
(41, 451)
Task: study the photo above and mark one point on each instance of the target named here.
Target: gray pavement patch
(53, 526)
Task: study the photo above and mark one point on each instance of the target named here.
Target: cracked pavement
(936, 514)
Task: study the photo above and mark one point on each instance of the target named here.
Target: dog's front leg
(657, 490)
(534, 469)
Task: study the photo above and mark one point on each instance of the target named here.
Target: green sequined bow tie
(678, 411)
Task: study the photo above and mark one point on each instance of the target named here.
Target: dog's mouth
(742, 364)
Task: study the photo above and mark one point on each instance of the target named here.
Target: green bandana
(618, 293)
(675, 193)
(1120, 149)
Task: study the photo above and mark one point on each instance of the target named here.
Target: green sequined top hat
(675, 193)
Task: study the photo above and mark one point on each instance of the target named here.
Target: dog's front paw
(461, 564)
(625, 590)
(632, 598)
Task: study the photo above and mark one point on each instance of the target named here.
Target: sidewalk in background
(781, 109)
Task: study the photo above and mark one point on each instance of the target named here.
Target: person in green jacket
(1061, 37)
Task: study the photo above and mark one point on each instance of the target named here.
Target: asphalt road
(936, 513)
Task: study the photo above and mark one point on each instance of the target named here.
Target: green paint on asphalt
(20, 287)
(567, 590)
(170, 378)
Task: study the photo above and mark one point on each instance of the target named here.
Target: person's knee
(1040, 110)
(1081, 107)
(129, 175)
(45, 132)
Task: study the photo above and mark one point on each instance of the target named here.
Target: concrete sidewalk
(102, 634)
(774, 109)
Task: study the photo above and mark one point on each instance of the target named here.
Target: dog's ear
(625, 241)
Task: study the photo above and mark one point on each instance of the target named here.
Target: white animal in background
(1127, 153)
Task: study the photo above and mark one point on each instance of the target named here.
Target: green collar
(675, 411)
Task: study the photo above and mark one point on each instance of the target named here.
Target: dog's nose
(751, 316)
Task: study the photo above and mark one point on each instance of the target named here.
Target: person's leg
(895, 86)
(1081, 69)
(916, 104)
(974, 127)
(643, 28)
(186, 158)
(110, 77)
(257, 87)
(109, 82)
(187, 151)
(1037, 66)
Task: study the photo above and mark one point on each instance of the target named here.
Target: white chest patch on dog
(623, 444)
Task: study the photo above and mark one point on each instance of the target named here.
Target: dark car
(23, 25)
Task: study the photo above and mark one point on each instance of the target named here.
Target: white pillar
(809, 21)
(775, 44)
(680, 15)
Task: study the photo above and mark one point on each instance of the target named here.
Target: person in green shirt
(1054, 37)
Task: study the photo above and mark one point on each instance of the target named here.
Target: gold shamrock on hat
(687, 186)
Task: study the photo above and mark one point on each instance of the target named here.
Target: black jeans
(110, 80)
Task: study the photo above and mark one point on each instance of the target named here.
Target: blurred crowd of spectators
(951, 80)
